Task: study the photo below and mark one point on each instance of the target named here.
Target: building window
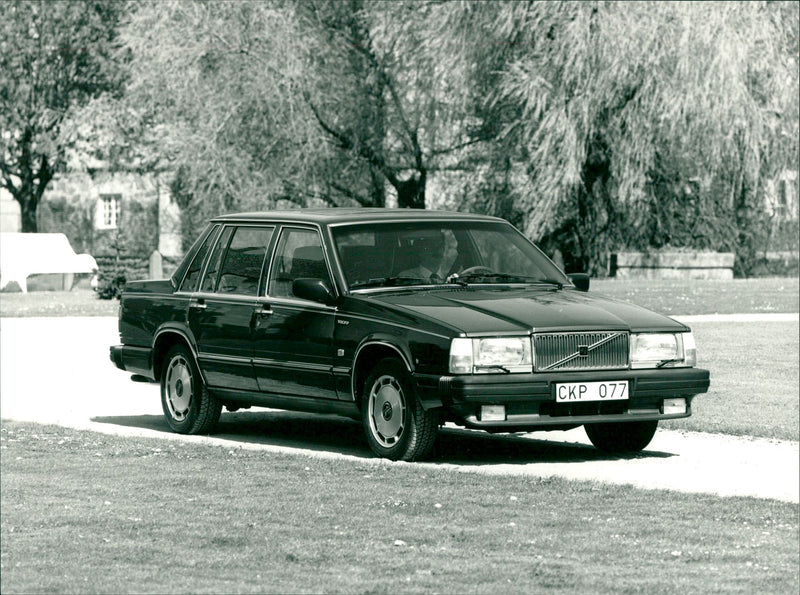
(111, 203)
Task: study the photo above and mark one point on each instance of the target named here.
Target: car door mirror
(315, 290)
(580, 280)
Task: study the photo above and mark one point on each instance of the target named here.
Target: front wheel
(631, 436)
(396, 425)
(188, 406)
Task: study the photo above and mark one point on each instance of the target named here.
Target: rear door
(221, 312)
(293, 338)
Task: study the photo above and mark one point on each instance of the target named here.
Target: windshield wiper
(510, 278)
(664, 362)
(494, 367)
(558, 284)
(386, 282)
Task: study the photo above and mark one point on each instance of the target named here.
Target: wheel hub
(387, 410)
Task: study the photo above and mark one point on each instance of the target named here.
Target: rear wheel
(188, 406)
(631, 436)
(396, 425)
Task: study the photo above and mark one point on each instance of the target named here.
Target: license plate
(573, 392)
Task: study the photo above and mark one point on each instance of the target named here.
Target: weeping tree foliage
(296, 102)
(592, 125)
(640, 124)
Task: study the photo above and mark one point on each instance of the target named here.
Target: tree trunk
(411, 193)
(32, 183)
(28, 215)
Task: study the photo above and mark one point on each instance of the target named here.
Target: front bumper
(530, 400)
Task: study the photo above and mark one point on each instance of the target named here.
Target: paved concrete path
(57, 370)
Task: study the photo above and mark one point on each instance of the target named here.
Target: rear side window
(210, 277)
(241, 271)
(192, 278)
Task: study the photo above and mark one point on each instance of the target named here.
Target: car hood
(481, 311)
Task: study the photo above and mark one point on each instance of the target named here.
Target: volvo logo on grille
(583, 351)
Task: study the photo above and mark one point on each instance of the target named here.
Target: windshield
(375, 255)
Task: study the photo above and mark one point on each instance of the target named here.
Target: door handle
(199, 305)
(264, 311)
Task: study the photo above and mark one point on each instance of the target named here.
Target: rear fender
(168, 335)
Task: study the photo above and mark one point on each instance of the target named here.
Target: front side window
(299, 255)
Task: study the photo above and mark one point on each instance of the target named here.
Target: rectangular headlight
(490, 355)
(663, 350)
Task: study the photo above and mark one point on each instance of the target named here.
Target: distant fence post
(156, 268)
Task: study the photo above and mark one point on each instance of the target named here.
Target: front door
(293, 338)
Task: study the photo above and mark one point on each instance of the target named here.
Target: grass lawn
(736, 296)
(755, 383)
(91, 513)
(79, 302)
(672, 297)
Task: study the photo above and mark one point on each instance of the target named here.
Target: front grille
(601, 350)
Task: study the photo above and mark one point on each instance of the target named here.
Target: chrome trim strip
(295, 304)
(291, 364)
(233, 359)
(534, 420)
(398, 325)
(230, 298)
(177, 296)
(445, 217)
(229, 359)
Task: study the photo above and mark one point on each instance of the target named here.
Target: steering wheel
(476, 270)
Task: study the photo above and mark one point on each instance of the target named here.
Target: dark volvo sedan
(405, 320)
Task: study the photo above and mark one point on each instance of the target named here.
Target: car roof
(352, 215)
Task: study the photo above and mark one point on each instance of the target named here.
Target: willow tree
(639, 123)
(295, 103)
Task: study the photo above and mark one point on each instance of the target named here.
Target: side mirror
(315, 290)
(580, 280)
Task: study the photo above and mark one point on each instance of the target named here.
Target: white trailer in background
(25, 254)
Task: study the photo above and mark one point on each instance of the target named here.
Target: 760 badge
(572, 392)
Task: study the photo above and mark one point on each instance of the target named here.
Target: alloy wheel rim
(179, 388)
(387, 411)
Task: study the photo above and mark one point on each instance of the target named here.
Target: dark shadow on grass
(327, 433)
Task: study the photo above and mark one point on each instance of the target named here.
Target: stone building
(119, 218)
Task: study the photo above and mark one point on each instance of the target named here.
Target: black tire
(630, 436)
(188, 406)
(396, 425)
